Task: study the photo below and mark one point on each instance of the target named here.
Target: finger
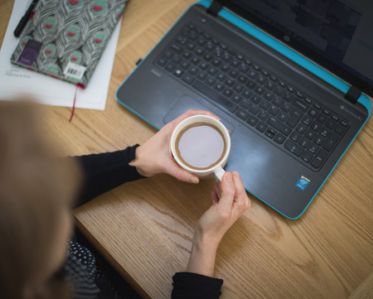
(242, 200)
(182, 175)
(227, 191)
(240, 189)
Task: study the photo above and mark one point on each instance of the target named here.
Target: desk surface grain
(145, 228)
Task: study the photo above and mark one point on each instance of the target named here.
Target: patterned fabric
(81, 271)
(65, 39)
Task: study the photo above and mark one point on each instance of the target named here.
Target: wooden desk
(145, 228)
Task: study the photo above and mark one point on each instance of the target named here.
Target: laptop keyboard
(262, 100)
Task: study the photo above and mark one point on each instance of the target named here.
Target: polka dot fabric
(81, 271)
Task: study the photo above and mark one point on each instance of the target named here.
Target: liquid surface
(200, 146)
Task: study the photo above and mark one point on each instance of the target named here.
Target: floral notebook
(65, 39)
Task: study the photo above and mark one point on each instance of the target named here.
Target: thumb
(182, 175)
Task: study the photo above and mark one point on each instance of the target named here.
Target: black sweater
(103, 172)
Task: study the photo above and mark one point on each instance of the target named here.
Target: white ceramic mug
(217, 170)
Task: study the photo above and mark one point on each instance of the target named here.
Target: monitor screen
(337, 34)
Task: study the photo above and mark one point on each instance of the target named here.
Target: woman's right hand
(230, 201)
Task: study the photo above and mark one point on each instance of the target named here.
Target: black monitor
(337, 34)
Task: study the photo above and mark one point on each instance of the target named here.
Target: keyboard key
(282, 117)
(274, 122)
(307, 120)
(301, 128)
(312, 112)
(326, 112)
(254, 109)
(247, 94)
(324, 132)
(230, 82)
(242, 79)
(250, 84)
(319, 139)
(226, 68)
(308, 100)
(193, 70)
(238, 88)
(320, 158)
(233, 73)
(176, 48)
(293, 147)
(203, 65)
(270, 133)
(210, 81)
(195, 60)
(321, 118)
(345, 123)
(187, 78)
(178, 72)
(279, 139)
(228, 93)
(202, 76)
(295, 136)
(273, 109)
(242, 113)
(305, 143)
(269, 96)
(219, 86)
(340, 129)
(301, 105)
(329, 144)
(313, 148)
(263, 115)
(256, 100)
(307, 157)
(170, 67)
(207, 56)
(315, 126)
(331, 124)
(261, 127)
(310, 134)
(236, 99)
(252, 121)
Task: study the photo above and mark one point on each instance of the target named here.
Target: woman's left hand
(155, 157)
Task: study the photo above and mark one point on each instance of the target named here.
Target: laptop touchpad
(185, 103)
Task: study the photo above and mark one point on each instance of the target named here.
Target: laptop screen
(338, 34)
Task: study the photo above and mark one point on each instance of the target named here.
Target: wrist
(139, 162)
(204, 241)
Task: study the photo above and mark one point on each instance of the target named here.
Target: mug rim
(221, 127)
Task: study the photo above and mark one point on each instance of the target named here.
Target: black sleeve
(189, 285)
(103, 172)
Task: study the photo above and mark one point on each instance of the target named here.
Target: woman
(36, 196)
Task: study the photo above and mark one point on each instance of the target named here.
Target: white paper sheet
(16, 81)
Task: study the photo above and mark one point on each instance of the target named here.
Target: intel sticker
(302, 183)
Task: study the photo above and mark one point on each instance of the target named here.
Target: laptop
(291, 80)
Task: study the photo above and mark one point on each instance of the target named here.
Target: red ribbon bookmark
(78, 86)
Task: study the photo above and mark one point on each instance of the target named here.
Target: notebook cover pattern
(65, 39)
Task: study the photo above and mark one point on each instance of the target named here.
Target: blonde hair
(34, 188)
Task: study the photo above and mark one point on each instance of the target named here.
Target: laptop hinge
(214, 8)
(353, 94)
